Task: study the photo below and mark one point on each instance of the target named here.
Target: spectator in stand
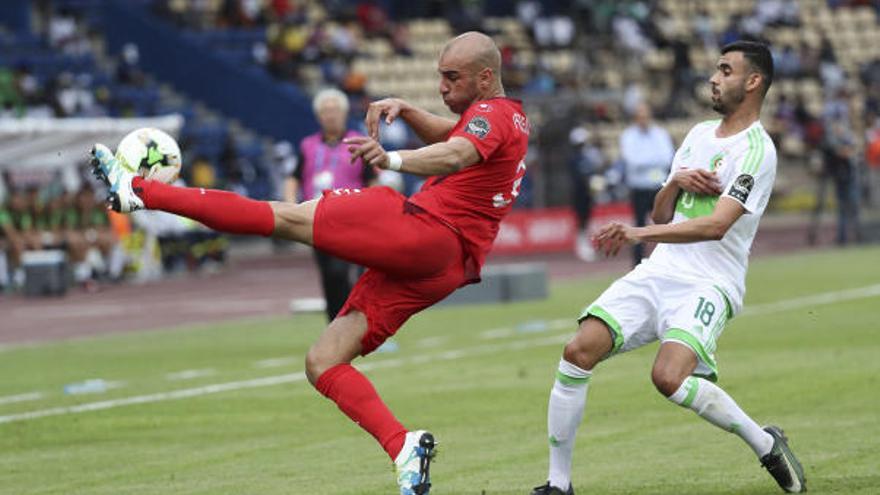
(400, 40)
(15, 224)
(809, 126)
(103, 256)
(324, 164)
(839, 167)
(809, 58)
(787, 61)
(646, 150)
(733, 31)
(703, 28)
(128, 70)
(373, 19)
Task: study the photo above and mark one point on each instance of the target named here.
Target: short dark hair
(758, 56)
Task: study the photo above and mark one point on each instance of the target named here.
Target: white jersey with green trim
(746, 167)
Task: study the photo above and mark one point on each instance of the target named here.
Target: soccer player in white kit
(705, 216)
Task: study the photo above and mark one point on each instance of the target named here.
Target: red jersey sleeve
(483, 124)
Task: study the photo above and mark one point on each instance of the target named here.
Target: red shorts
(413, 259)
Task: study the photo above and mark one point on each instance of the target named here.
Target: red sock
(219, 210)
(355, 396)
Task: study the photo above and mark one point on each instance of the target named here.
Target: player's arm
(435, 159)
(697, 181)
(707, 228)
(429, 127)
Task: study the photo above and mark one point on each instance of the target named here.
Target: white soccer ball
(150, 153)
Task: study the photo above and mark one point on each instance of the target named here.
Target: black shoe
(546, 489)
(782, 464)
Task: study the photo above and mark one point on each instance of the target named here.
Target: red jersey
(473, 200)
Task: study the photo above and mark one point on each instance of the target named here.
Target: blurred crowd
(583, 68)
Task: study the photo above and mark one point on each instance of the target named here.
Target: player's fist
(610, 238)
(698, 181)
(389, 108)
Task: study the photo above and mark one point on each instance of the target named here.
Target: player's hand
(610, 238)
(389, 108)
(367, 149)
(698, 181)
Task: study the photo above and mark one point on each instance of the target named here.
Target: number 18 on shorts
(643, 307)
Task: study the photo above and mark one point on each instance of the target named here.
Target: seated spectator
(127, 70)
(16, 223)
(787, 61)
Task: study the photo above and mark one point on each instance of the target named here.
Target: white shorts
(645, 306)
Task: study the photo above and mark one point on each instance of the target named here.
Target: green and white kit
(687, 292)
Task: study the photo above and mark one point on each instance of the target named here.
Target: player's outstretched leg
(782, 464)
(219, 210)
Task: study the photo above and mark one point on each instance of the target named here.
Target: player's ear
(485, 76)
(754, 81)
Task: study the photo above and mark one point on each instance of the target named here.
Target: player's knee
(591, 344)
(315, 366)
(580, 354)
(293, 221)
(666, 380)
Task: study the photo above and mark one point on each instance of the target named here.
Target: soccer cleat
(782, 464)
(105, 166)
(546, 489)
(413, 463)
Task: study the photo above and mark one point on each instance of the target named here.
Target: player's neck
(738, 121)
(493, 92)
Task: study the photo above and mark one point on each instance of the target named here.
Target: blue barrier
(246, 93)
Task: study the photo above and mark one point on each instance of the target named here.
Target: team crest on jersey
(478, 126)
(717, 162)
(742, 187)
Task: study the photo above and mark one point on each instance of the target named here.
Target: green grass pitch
(479, 378)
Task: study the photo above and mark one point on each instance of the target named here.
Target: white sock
(566, 409)
(715, 406)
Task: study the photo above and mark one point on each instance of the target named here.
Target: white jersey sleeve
(755, 172)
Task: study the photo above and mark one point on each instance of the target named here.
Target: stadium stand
(576, 65)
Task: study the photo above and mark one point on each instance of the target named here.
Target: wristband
(395, 161)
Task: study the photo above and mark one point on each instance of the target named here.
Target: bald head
(470, 70)
(476, 50)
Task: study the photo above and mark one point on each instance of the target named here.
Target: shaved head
(470, 70)
(477, 50)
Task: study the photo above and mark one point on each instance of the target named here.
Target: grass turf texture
(812, 370)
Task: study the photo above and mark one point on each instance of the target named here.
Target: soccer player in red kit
(417, 250)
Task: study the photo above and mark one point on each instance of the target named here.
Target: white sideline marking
(761, 309)
(268, 381)
(275, 362)
(813, 300)
(189, 374)
(11, 399)
(428, 342)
